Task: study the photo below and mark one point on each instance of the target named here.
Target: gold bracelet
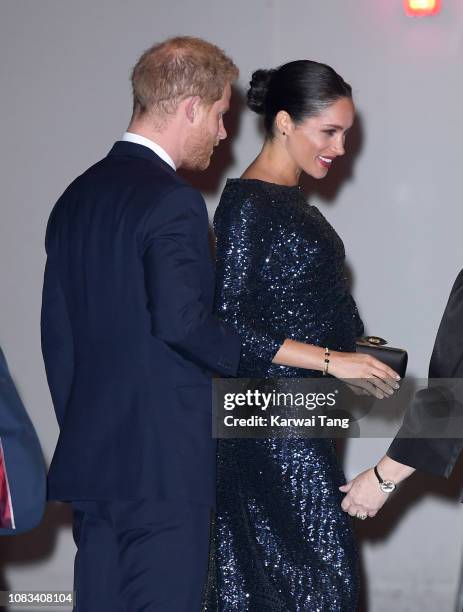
(327, 361)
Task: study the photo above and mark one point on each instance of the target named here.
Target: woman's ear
(283, 123)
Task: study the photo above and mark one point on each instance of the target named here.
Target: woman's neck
(274, 164)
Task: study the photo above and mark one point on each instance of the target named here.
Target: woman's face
(315, 143)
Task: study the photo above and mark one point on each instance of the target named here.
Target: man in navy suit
(130, 343)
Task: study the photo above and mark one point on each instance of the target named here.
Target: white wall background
(395, 200)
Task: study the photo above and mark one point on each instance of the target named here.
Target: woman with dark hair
(281, 540)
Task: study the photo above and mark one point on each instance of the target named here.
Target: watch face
(387, 486)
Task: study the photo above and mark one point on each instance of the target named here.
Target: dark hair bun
(257, 92)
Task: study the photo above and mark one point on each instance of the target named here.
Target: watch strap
(380, 480)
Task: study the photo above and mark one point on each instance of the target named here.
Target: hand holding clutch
(395, 358)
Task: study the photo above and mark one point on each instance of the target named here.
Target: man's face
(207, 133)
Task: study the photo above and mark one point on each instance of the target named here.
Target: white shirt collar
(146, 142)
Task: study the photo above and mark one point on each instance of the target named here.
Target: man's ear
(192, 108)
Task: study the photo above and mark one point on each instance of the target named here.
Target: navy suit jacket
(128, 336)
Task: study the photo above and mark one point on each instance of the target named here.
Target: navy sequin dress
(281, 542)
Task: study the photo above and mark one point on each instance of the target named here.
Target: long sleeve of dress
(242, 292)
(359, 327)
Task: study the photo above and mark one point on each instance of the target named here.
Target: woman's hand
(363, 494)
(364, 371)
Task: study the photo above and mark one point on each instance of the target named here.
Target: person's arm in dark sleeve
(57, 340)
(175, 248)
(358, 323)
(438, 455)
(423, 442)
(242, 287)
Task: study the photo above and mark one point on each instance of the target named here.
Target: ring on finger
(360, 516)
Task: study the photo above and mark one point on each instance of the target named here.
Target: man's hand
(364, 497)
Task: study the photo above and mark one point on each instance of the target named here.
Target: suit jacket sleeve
(176, 254)
(57, 340)
(433, 454)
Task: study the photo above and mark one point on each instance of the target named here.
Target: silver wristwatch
(386, 486)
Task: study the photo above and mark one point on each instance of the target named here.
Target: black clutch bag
(395, 358)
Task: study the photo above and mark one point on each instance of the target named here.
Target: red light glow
(422, 7)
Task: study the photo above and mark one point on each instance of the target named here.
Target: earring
(284, 133)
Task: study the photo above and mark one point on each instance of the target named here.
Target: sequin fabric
(280, 541)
